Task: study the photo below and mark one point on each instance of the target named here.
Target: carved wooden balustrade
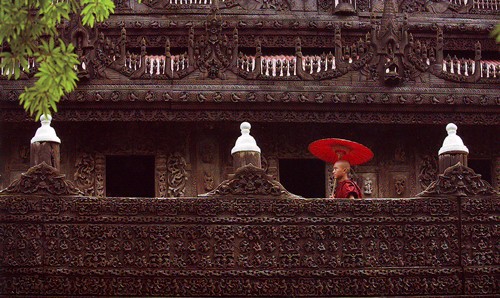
(249, 236)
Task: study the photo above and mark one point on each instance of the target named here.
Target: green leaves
(96, 10)
(56, 77)
(29, 28)
(496, 33)
(53, 14)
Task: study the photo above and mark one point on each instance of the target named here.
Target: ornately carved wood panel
(259, 247)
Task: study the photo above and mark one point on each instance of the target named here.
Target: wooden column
(245, 151)
(47, 152)
(451, 158)
(45, 145)
(453, 150)
(244, 158)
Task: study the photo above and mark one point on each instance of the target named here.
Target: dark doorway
(304, 177)
(130, 176)
(482, 167)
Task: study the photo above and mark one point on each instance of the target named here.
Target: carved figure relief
(400, 185)
(367, 186)
(100, 175)
(270, 166)
(84, 176)
(161, 175)
(177, 175)
(329, 179)
(208, 167)
(208, 181)
(428, 171)
(400, 154)
(24, 153)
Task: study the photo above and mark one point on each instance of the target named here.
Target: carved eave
(459, 181)
(42, 179)
(250, 181)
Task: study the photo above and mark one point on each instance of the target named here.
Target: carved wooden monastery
(147, 200)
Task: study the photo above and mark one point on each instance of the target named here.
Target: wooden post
(451, 158)
(245, 151)
(244, 158)
(47, 152)
(45, 145)
(453, 150)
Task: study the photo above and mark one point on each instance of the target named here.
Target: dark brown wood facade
(173, 79)
(242, 240)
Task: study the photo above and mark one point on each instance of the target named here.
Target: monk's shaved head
(343, 164)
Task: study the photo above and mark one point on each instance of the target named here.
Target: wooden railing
(249, 237)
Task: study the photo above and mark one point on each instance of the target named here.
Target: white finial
(45, 133)
(245, 142)
(453, 142)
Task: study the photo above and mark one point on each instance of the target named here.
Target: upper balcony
(404, 56)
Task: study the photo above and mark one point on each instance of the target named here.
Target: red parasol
(332, 150)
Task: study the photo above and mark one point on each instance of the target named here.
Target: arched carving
(250, 180)
(42, 179)
(459, 181)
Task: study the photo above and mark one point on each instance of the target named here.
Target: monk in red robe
(346, 188)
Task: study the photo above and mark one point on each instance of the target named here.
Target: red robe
(346, 188)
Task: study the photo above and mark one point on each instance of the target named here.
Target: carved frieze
(360, 97)
(256, 5)
(479, 118)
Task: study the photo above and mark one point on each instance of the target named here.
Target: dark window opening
(304, 177)
(482, 167)
(130, 176)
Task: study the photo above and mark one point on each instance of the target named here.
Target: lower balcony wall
(226, 245)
